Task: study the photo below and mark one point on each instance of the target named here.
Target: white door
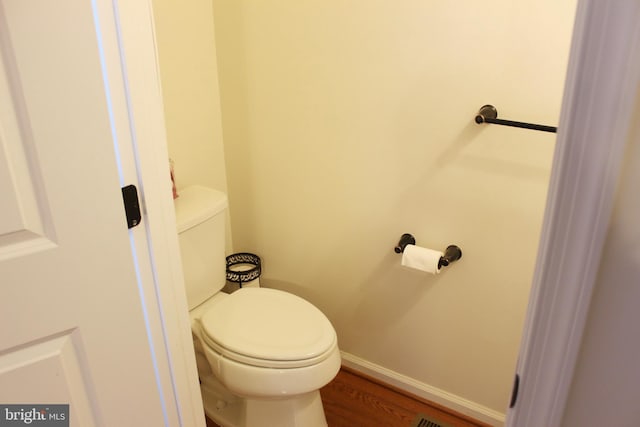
(72, 326)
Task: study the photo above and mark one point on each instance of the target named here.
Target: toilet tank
(201, 222)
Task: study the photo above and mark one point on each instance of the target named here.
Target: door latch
(131, 205)
(514, 391)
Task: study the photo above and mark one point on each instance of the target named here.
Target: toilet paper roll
(255, 283)
(420, 258)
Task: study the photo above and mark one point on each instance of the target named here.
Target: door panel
(21, 221)
(55, 365)
(73, 327)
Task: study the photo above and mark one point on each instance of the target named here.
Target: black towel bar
(489, 114)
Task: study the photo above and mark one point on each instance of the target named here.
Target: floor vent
(424, 421)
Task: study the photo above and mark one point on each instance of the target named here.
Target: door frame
(597, 115)
(127, 38)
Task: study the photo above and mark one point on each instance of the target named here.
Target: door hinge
(514, 391)
(131, 205)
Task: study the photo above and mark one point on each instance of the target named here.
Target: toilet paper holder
(451, 254)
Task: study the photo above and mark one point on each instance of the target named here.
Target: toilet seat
(268, 328)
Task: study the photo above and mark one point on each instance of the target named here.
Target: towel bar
(489, 114)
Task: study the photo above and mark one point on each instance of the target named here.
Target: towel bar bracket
(486, 112)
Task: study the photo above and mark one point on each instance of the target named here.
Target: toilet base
(228, 410)
(221, 406)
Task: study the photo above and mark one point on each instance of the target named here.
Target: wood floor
(355, 400)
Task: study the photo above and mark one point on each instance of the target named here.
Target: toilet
(262, 354)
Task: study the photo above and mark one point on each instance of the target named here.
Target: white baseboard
(433, 394)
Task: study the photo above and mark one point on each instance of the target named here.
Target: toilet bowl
(262, 354)
(272, 351)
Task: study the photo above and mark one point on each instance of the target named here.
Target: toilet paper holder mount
(451, 254)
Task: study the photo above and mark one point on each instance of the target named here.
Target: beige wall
(186, 50)
(347, 124)
(189, 77)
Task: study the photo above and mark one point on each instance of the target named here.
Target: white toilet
(262, 354)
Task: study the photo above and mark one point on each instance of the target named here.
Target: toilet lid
(267, 327)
